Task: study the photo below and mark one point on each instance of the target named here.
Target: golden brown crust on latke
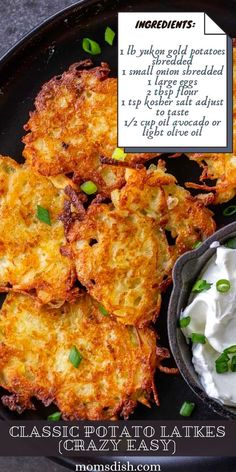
(219, 167)
(74, 123)
(120, 250)
(155, 194)
(116, 372)
(122, 258)
(29, 248)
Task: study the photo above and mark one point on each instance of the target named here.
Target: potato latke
(116, 370)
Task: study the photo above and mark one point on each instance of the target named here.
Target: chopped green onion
(223, 285)
(118, 154)
(221, 367)
(109, 35)
(201, 285)
(187, 409)
(198, 338)
(55, 416)
(222, 358)
(231, 243)
(230, 210)
(222, 362)
(197, 244)
(103, 310)
(90, 46)
(43, 215)
(233, 364)
(89, 187)
(230, 350)
(184, 322)
(75, 357)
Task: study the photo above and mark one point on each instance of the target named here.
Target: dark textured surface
(16, 19)
(29, 464)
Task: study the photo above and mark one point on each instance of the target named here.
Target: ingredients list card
(175, 83)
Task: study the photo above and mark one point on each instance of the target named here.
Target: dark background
(18, 17)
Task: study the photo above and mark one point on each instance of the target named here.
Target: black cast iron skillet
(48, 51)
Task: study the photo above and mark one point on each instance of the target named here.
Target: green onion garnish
(223, 285)
(55, 416)
(230, 350)
(222, 358)
(109, 35)
(103, 310)
(222, 367)
(119, 154)
(198, 338)
(233, 364)
(222, 363)
(89, 187)
(75, 357)
(231, 243)
(230, 210)
(184, 322)
(43, 215)
(196, 244)
(187, 409)
(90, 46)
(201, 285)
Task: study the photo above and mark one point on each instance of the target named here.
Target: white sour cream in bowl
(209, 323)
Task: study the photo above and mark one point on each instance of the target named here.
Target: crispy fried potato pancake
(74, 123)
(30, 258)
(116, 370)
(155, 194)
(220, 167)
(122, 259)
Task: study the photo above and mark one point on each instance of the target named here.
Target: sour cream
(213, 314)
